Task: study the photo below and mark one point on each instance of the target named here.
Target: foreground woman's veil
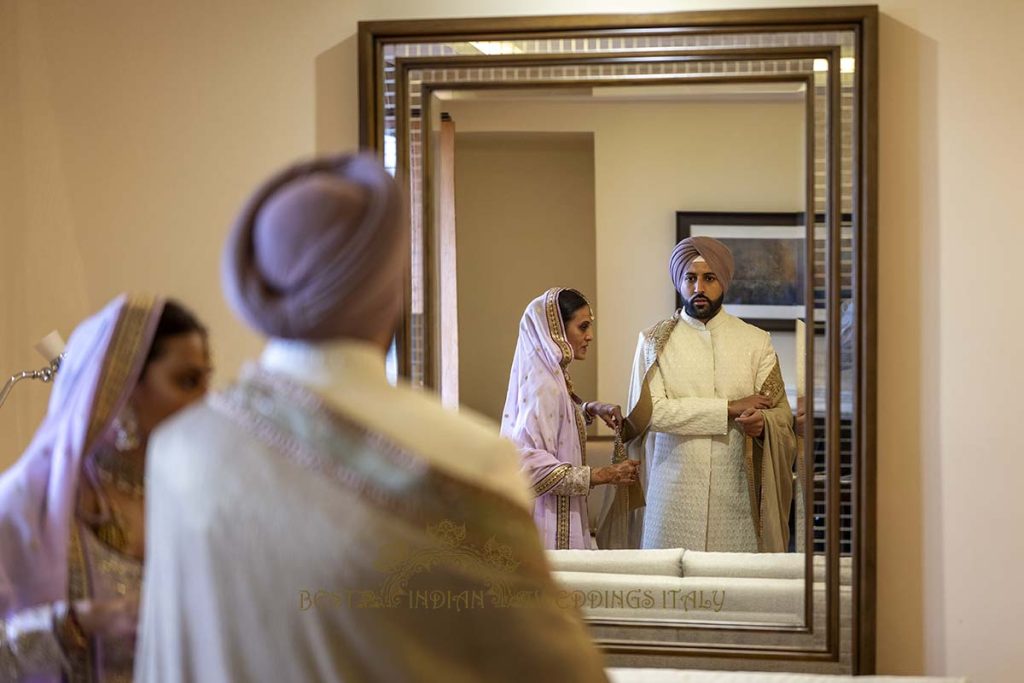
(37, 495)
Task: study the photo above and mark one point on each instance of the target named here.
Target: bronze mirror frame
(402, 62)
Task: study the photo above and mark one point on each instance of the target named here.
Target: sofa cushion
(665, 562)
(750, 565)
(775, 601)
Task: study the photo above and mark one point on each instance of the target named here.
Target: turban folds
(717, 255)
(319, 252)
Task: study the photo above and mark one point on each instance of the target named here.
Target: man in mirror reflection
(709, 414)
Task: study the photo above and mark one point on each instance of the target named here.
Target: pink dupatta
(38, 494)
(542, 419)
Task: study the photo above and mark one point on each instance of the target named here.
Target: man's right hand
(742, 405)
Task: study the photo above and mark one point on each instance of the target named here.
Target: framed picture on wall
(767, 289)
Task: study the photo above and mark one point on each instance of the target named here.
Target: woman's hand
(626, 472)
(109, 619)
(609, 412)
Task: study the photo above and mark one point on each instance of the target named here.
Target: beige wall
(524, 206)
(652, 159)
(132, 131)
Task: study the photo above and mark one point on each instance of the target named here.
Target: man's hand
(742, 405)
(752, 422)
(610, 413)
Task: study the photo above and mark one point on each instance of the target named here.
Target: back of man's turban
(319, 252)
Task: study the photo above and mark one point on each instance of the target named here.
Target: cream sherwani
(698, 496)
(274, 508)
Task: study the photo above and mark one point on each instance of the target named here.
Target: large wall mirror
(576, 151)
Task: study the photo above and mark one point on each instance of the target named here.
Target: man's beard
(708, 313)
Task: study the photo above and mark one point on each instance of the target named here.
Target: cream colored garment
(236, 532)
(462, 443)
(697, 492)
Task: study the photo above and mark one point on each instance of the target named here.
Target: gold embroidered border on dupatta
(81, 661)
(250, 401)
(562, 520)
(581, 429)
(123, 357)
(555, 327)
(557, 330)
(432, 514)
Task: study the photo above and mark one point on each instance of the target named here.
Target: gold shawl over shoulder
(769, 461)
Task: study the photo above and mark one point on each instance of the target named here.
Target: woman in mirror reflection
(71, 508)
(547, 421)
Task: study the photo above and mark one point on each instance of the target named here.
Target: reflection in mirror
(527, 83)
(591, 188)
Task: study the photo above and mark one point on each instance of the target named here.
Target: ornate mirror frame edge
(373, 34)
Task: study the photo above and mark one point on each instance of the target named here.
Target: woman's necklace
(123, 472)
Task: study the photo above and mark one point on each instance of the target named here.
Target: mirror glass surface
(571, 155)
(590, 188)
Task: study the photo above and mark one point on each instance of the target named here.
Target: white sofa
(757, 587)
(688, 585)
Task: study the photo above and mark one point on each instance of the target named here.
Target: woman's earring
(126, 429)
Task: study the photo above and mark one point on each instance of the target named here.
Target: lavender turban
(319, 252)
(717, 255)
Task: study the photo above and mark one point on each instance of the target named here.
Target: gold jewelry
(125, 472)
(618, 449)
(126, 430)
(588, 417)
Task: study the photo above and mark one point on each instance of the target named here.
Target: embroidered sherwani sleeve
(686, 416)
(29, 646)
